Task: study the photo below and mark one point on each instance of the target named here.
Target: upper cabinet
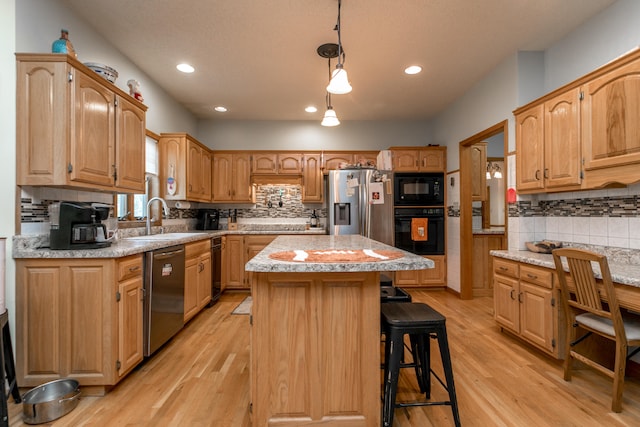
(611, 125)
(338, 159)
(312, 182)
(584, 135)
(548, 145)
(75, 129)
(276, 163)
(185, 168)
(231, 177)
(419, 159)
(479, 170)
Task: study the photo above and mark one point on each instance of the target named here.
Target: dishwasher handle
(165, 255)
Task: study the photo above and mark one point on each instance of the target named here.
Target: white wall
(7, 147)
(38, 24)
(309, 135)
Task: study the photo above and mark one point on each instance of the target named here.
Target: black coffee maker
(208, 219)
(78, 226)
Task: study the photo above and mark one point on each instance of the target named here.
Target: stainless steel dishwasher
(163, 296)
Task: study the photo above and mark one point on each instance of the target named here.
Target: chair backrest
(585, 295)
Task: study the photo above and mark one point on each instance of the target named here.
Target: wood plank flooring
(201, 378)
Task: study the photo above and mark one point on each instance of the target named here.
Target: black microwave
(418, 189)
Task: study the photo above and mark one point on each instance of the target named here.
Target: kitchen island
(315, 336)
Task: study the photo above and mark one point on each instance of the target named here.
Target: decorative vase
(63, 44)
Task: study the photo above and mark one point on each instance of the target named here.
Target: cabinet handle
(136, 268)
(531, 276)
(520, 297)
(538, 175)
(511, 294)
(546, 172)
(503, 268)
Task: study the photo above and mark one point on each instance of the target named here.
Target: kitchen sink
(164, 236)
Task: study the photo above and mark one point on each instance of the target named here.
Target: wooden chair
(584, 307)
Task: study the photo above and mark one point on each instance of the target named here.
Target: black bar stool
(420, 322)
(8, 370)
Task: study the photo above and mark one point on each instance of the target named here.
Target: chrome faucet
(164, 206)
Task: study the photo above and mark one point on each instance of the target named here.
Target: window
(131, 208)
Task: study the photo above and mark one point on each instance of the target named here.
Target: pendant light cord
(340, 52)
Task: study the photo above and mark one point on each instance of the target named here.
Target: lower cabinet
(236, 252)
(78, 318)
(526, 304)
(197, 277)
(431, 277)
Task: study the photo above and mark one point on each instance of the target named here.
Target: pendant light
(330, 118)
(339, 83)
(329, 50)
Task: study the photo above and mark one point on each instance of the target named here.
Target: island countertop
(264, 261)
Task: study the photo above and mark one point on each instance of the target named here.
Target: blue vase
(63, 45)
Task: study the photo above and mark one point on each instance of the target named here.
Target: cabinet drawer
(536, 275)
(507, 268)
(195, 249)
(129, 267)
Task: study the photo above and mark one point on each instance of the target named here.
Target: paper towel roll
(183, 205)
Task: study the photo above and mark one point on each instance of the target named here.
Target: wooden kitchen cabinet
(525, 303)
(482, 272)
(548, 145)
(233, 262)
(419, 159)
(276, 163)
(479, 171)
(431, 277)
(333, 160)
(610, 121)
(231, 177)
(78, 318)
(188, 162)
(75, 129)
(197, 283)
(312, 180)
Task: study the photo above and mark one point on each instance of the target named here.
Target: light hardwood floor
(201, 378)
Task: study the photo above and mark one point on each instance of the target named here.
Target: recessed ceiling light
(185, 68)
(311, 109)
(414, 69)
(220, 109)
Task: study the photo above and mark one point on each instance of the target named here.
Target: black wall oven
(418, 189)
(434, 244)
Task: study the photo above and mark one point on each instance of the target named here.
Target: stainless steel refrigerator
(360, 203)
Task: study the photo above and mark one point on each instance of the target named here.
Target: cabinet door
(222, 177)
(234, 262)
(530, 149)
(242, 181)
(92, 145)
(436, 276)
(205, 178)
(191, 267)
(172, 154)
(432, 160)
(312, 179)
(204, 280)
(195, 189)
(505, 301)
(130, 341)
(406, 160)
(408, 278)
(611, 118)
(290, 163)
(130, 147)
(332, 161)
(536, 315)
(264, 163)
(562, 140)
(479, 172)
(369, 158)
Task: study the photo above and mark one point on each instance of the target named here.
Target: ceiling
(258, 57)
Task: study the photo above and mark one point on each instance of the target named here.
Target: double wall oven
(419, 199)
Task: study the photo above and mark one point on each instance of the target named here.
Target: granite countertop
(31, 247)
(263, 263)
(626, 274)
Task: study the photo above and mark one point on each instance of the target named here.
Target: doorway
(471, 254)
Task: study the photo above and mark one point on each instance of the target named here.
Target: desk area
(315, 336)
